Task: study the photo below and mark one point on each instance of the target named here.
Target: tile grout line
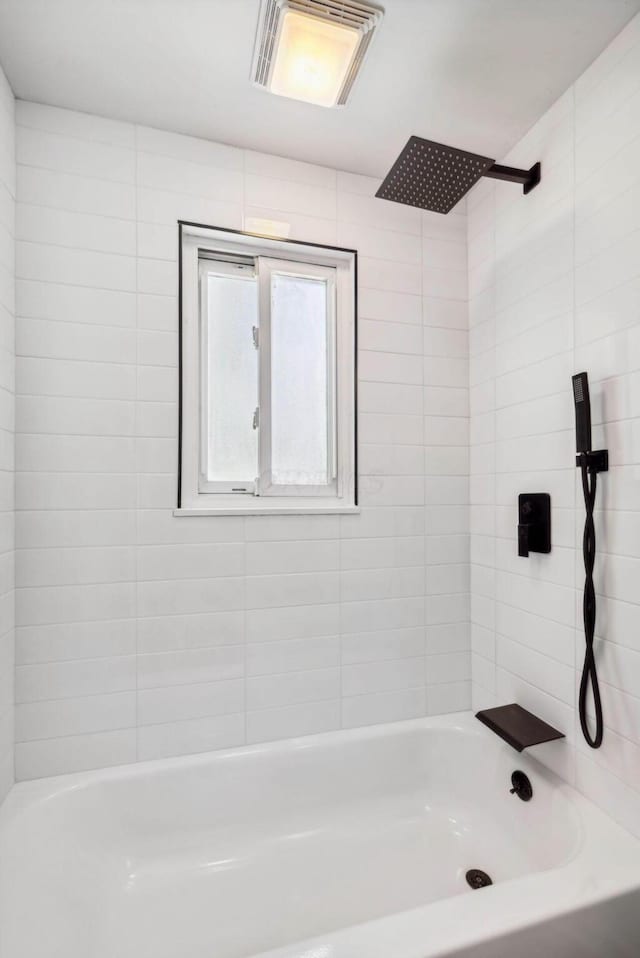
(425, 572)
(245, 647)
(574, 187)
(136, 453)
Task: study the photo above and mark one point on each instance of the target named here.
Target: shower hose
(589, 673)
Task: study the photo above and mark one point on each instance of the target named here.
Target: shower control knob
(534, 523)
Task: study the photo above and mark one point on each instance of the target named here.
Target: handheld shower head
(583, 412)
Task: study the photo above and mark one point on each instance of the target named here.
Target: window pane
(232, 378)
(300, 449)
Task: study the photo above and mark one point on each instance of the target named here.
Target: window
(267, 361)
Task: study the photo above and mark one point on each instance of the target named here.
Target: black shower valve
(534, 523)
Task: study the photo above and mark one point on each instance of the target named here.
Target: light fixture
(313, 50)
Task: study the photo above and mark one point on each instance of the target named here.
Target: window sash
(209, 264)
(267, 267)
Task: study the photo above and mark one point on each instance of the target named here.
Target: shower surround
(554, 289)
(141, 635)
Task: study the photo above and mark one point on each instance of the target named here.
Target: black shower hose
(589, 673)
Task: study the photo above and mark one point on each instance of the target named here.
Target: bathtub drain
(477, 878)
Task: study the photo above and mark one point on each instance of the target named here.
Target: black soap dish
(517, 726)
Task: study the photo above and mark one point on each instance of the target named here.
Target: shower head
(433, 176)
(583, 412)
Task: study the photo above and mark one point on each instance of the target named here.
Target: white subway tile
(157, 706)
(267, 591)
(56, 264)
(391, 644)
(390, 337)
(74, 753)
(83, 126)
(292, 721)
(69, 154)
(76, 194)
(158, 172)
(192, 149)
(390, 306)
(281, 557)
(64, 680)
(268, 625)
(75, 716)
(114, 639)
(394, 706)
(168, 206)
(175, 597)
(277, 691)
(369, 211)
(190, 561)
(293, 655)
(385, 275)
(187, 737)
(38, 224)
(189, 631)
(266, 164)
(288, 195)
(449, 697)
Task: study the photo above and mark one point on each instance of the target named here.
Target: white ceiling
(473, 73)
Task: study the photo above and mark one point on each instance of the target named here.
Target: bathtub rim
(25, 794)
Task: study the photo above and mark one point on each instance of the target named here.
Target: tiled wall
(555, 289)
(7, 403)
(143, 635)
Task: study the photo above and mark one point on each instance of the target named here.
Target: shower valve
(534, 523)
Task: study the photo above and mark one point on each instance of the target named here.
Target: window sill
(329, 510)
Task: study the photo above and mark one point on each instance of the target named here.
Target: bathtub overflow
(521, 786)
(477, 878)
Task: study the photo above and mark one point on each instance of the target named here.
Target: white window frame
(339, 269)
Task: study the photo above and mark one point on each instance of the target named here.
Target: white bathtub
(344, 845)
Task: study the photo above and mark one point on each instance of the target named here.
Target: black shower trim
(521, 786)
(518, 727)
(433, 176)
(528, 178)
(590, 463)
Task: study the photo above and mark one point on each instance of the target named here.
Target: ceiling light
(313, 50)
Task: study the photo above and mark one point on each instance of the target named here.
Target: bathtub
(343, 845)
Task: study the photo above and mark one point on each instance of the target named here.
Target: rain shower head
(435, 177)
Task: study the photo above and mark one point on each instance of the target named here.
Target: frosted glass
(232, 379)
(299, 382)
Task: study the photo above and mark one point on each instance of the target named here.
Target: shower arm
(528, 178)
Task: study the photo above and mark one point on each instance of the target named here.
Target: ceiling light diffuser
(313, 50)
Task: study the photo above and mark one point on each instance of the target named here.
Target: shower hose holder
(597, 461)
